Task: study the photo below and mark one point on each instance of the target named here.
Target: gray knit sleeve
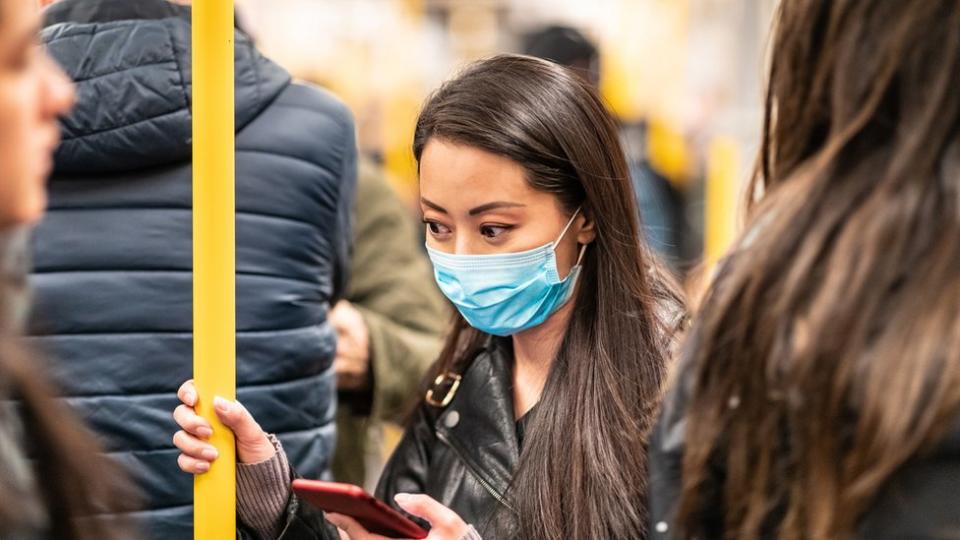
(263, 490)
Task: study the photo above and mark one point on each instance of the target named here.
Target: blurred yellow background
(690, 68)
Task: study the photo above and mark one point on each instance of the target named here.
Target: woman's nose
(463, 245)
(58, 89)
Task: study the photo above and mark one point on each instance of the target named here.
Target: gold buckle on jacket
(454, 381)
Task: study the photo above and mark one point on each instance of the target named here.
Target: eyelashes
(435, 228)
(494, 231)
(488, 231)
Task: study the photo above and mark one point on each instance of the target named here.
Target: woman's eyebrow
(433, 205)
(23, 40)
(493, 206)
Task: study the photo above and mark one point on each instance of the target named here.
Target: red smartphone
(353, 501)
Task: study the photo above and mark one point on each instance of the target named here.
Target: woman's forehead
(458, 171)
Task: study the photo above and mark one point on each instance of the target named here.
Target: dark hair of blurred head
(565, 46)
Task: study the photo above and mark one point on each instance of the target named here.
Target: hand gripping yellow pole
(214, 312)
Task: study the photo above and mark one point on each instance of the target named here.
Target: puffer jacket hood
(133, 81)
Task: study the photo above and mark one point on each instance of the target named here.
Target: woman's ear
(586, 231)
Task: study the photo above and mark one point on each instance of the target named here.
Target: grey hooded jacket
(113, 258)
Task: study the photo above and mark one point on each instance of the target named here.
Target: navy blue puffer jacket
(112, 258)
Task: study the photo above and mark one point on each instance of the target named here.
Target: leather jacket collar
(479, 423)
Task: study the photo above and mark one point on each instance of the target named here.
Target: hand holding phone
(359, 516)
(352, 501)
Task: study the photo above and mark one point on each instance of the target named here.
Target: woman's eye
(492, 231)
(24, 59)
(436, 229)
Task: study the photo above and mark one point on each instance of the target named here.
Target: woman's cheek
(24, 154)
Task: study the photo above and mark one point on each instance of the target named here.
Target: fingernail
(204, 432)
(191, 396)
(402, 497)
(209, 454)
(203, 466)
(221, 404)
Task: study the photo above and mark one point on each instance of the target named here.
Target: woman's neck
(14, 266)
(534, 351)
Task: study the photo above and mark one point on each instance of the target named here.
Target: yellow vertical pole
(720, 221)
(214, 302)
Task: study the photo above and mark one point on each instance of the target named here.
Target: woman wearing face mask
(50, 474)
(534, 422)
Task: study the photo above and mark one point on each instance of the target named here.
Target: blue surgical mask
(507, 293)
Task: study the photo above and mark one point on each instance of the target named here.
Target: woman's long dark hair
(79, 489)
(582, 470)
(827, 355)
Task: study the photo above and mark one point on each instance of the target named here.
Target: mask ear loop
(583, 248)
(567, 228)
(583, 251)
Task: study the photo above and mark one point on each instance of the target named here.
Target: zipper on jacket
(474, 470)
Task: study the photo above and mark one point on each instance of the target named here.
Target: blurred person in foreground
(113, 257)
(390, 327)
(53, 482)
(818, 394)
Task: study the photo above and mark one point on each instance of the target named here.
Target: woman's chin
(44, 169)
(33, 211)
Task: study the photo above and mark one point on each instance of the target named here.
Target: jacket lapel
(479, 423)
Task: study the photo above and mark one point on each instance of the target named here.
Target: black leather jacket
(463, 455)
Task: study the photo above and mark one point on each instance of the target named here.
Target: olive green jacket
(392, 285)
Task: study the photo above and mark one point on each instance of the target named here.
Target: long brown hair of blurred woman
(78, 489)
(827, 354)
